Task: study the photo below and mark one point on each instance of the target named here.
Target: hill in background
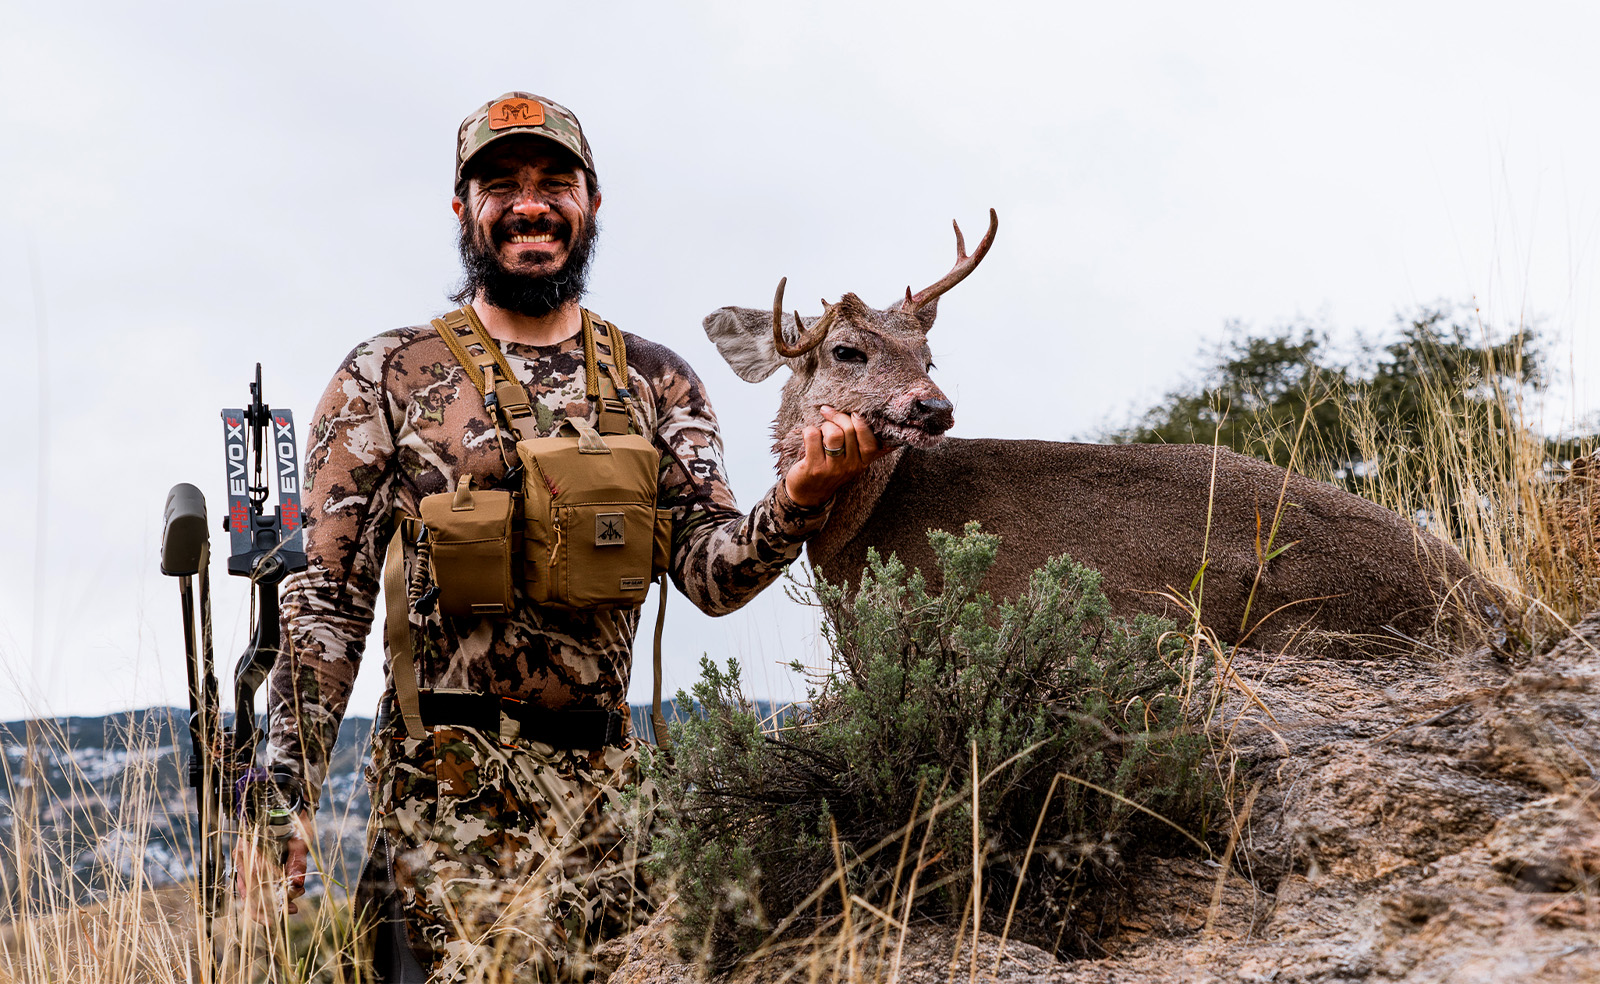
(112, 806)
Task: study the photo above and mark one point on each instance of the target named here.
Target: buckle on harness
(510, 727)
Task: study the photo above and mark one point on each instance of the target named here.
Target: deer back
(1150, 517)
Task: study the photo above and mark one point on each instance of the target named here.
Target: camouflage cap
(520, 113)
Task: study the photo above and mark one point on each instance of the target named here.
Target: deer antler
(964, 265)
(807, 340)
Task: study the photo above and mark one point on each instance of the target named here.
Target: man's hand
(265, 881)
(836, 452)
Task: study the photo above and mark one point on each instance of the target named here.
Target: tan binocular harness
(578, 529)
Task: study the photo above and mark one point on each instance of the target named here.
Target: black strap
(379, 905)
(508, 719)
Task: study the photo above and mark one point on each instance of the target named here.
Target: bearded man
(497, 856)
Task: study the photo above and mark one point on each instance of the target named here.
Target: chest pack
(578, 525)
(574, 523)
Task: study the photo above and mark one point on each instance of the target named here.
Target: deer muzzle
(935, 415)
(916, 419)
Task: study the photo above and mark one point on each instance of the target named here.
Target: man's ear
(744, 337)
(596, 206)
(456, 205)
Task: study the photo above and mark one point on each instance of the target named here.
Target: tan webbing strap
(658, 721)
(397, 630)
(462, 331)
(484, 364)
(607, 381)
(614, 418)
(589, 439)
(619, 349)
(591, 379)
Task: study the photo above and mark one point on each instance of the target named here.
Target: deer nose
(937, 414)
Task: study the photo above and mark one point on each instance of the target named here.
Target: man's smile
(531, 245)
(542, 238)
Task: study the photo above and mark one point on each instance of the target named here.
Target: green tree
(1254, 398)
(1287, 398)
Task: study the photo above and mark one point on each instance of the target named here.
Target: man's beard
(533, 295)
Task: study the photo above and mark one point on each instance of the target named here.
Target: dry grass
(1494, 493)
(69, 915)
(1474, 468)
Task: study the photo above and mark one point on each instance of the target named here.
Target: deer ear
(744, 337)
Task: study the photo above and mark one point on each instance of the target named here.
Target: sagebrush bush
(875, 775)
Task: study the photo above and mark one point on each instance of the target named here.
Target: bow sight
(266, 547)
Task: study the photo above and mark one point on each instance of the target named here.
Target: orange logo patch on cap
(515, 112)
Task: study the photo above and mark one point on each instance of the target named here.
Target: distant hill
(112, 802)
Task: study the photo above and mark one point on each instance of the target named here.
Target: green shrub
(1050, 684)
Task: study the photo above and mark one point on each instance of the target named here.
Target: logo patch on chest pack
(608, 530)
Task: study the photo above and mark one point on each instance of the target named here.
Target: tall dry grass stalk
(884, 943)
(1481, 477)
(50, 933)
(80, 903)
(1471, 464)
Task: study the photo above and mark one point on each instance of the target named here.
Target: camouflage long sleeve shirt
(400, 421)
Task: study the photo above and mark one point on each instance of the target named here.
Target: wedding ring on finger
(833, 452)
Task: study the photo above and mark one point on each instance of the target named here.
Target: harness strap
(471, 345)
(397, 630)
(591, 380)
(509, 719)
(487, 368)
(658, 722)
(606, 381)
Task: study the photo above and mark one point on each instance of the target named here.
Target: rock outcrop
(1421, 818)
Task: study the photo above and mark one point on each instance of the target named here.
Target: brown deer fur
(1146, 516)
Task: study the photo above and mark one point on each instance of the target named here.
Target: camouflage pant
(509, 860)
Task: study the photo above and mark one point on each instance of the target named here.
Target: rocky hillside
(1423, 818)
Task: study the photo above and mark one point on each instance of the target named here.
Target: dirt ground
(1419, 818)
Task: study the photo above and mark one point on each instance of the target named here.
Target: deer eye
(845, 353)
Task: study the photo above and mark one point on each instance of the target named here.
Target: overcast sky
(189, 188)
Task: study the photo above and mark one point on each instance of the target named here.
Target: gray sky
(187, 188)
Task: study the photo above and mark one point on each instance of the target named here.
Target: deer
(1269, 557)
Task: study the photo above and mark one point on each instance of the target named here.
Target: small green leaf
(1281, 549)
